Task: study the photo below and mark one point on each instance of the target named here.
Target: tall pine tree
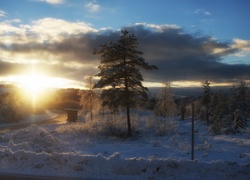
(120, 73)
(206, 99)
(218, 111)
(240, 114)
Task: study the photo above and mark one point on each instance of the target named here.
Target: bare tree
(89, 98)
(165, 105)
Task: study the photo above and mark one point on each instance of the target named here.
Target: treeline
(225, 112)
(222, 111)
(13, 105)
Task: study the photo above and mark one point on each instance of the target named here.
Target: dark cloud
(179, 55)
(182, 56)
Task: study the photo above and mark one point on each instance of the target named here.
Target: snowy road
(58, 119)
(6, 176)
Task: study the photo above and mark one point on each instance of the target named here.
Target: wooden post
(192, 143)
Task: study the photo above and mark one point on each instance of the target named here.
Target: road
(7, 176)
(58, 120)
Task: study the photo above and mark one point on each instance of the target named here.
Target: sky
(190, 41)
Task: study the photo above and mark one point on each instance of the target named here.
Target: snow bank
(35, 139)
(99, 166)
(38, 150)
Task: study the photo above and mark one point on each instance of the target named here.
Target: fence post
(192, 143)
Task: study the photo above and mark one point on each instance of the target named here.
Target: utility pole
(192, 143)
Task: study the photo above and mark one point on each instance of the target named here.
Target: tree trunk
(127, 94)
(207, 116)
(128, 122)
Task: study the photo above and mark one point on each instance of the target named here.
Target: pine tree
(232, 99)
(232, 106)
(206, 99)
(120, 73)
(240, 114)
(239, 120)
(182, 110)
(165, 105)
(218, 111)
(238, 108)
(242, 91)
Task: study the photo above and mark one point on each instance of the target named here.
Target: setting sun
(34, 83)
(36, 87)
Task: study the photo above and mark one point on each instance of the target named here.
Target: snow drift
(38, 150)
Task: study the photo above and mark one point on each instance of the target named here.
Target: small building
(72, 114)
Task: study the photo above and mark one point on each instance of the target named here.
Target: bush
(179, 143)
(161, 127)
(114, 125)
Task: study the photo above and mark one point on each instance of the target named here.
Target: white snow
(44, 150)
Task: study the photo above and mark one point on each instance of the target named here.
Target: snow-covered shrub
(204, 146)
(108, 125)
(156, 143)
(113, 125)
(71, 128)
(149, 122)
(116, 125)
(167, 127)
(179, 143)
(160, 127)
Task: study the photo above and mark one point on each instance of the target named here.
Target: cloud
(52, 1)
(92, 6)
(202, 11)
(64, 49)
(159, 28)
(243, 45)
(50, 43)
(2, 13)
(57, 29)
(42, 31)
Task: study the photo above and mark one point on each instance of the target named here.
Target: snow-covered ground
(44, 150)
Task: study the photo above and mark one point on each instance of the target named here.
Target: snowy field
(50, 150)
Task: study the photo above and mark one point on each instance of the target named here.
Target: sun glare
(33, 83)
(36, 83)
(35, 87)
